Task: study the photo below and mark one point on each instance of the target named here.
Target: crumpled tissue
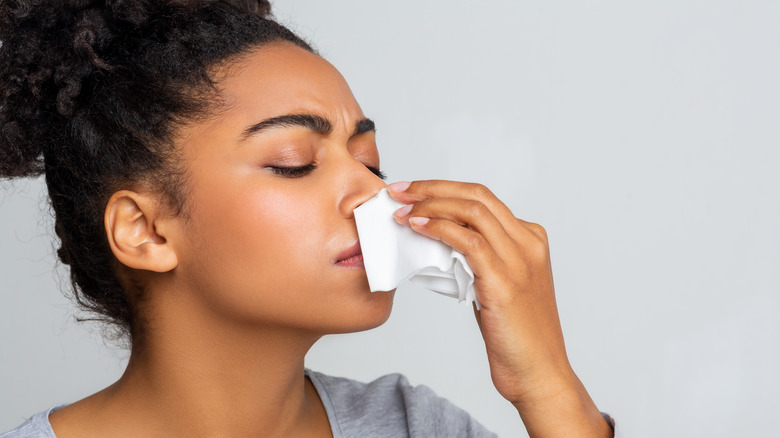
(394, 253)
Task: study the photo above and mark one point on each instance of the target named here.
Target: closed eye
(293, 172)
(297, 172)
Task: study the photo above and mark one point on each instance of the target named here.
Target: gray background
(643, 136)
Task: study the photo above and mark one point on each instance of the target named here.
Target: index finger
(409, 192)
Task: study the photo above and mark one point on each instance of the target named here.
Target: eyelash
(377, 172)
(297, 172)
(294, 172)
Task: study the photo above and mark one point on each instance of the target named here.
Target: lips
(351, 257)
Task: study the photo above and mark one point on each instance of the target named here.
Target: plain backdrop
(643, 135)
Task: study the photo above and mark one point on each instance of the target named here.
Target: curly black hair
(91, 93)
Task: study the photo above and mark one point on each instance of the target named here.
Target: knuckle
(538, 250)
(475, 242)
(480, 191)
(536, 246)
(538, 230)
(477, 209)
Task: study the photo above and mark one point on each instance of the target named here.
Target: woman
(203, 163)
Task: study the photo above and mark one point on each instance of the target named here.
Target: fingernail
(403, 211)
(399, 186)
(418, 221)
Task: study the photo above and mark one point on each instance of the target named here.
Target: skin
(242, 287)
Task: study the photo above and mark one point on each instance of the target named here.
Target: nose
(359, 185)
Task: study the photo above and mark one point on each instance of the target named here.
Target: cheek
(270, 229)
(287, 229)
(259, 250)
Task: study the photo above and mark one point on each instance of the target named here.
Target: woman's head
(123, 102)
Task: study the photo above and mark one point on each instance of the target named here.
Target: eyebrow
(313, 122)
(363, 126)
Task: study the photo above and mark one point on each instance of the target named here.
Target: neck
(194, 375)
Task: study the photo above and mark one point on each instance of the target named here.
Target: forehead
(282, 78)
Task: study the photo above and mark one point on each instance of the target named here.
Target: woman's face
(274, 178)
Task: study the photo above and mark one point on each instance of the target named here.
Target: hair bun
(48, 50)
(43, 59)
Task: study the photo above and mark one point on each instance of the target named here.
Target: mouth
(351, 257)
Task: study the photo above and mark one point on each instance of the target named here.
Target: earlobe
(134, 239)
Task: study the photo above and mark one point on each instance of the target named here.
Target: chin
(366, 315)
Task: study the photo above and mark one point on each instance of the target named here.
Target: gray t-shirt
(386, 407)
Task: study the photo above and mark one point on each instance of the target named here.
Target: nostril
(358, 198)
(371, 196)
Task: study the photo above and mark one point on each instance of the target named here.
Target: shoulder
(391, 406)
(37, 426)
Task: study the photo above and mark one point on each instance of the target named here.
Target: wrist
(561, 407)
(541, 386)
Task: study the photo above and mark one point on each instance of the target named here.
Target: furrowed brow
(313, 122)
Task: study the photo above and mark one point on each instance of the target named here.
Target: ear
(132, 222)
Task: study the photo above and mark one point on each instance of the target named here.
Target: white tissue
(394, 253)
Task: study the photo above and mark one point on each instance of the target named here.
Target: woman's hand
(518, 316)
